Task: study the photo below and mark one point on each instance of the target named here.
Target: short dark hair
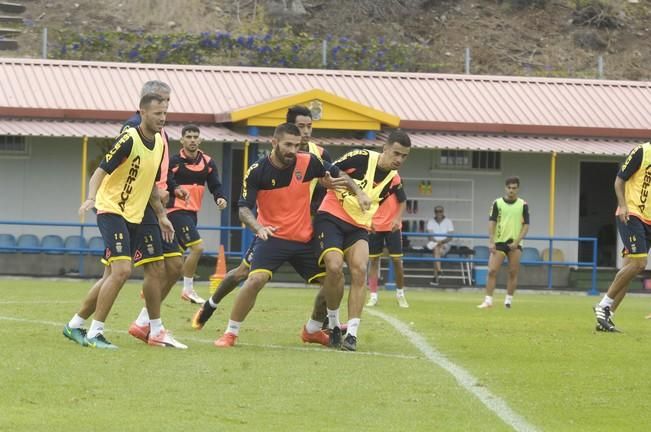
(512, 180)
(147, 99)
(190, 128)
(286, 129)
(400, 137)
(297, 110)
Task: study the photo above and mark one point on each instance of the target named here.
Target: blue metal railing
(246, 240)
(549, 262)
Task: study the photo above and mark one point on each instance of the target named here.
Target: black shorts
(505, 248)
(392, 239)
(268, 255)
(636, 236)
(151, 230)
(119, 237)
(332, 233)
(185, 227)
(248, 254)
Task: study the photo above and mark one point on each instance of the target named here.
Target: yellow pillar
(552, 194)
(84, 182)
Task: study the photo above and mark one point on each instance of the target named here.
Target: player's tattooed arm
(248, 218)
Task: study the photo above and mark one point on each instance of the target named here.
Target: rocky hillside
(508, 37)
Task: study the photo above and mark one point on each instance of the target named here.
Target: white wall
(46, 186)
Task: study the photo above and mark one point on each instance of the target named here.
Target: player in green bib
(508, 225)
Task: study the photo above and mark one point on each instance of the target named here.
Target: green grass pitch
(542, 358)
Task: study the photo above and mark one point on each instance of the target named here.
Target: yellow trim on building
(337, 112)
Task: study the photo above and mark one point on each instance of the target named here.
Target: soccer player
(158, 277)
(120, 189)
(634, 226)
(192, 169)
(302, 118)
(508, 224)
(280, 187)
(387, 223)
(341, 232)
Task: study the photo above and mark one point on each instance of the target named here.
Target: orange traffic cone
(220, 270)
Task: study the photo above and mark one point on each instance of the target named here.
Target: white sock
(187, 283)
(313, 326)
(488, 299)
(233, 327)
(353, 325)
(333, 318)
(76, 322)
(400, 292)
(96, 327)
(143, 318)
(156, 326)
(508, 299)
(606, 301)
(374, 295)
(212, 303)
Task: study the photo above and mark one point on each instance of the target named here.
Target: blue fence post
(549, 266)
(81, 254)
(593, 290)
(390, 285)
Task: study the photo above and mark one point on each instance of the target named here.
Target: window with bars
(11, 145)
(462, 159)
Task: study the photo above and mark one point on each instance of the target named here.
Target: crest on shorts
(150, 249)
(118, 247)
(298, 175)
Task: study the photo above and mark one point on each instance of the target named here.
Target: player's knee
(639, 264)
(240, 273)
(174, 267)
(121, 272)
(334, 263)
(513, 273)
(492, 271)
(357, 271)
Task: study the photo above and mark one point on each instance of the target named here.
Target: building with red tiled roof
(468, 133)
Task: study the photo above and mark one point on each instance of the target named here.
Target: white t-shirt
(444, 227)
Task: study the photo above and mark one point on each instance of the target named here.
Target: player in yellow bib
(120, 189)
(508, 225)
(634, 225)
(341, 229)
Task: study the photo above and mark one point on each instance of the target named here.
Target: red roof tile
(72, 89)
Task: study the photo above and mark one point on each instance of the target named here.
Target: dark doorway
(597, 205)
(237, 174)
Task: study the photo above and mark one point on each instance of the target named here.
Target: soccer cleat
(604, 322)
(349, 344)
(191, 296)
(320, 337)
(77, 335)
(165, 339)
(434, 282)
(485, 305)
(335, 338)
(201, 316)
(139, 332)
(227, 340)
(372, 302)
(402, 301)
(507, 305)
(99, 342)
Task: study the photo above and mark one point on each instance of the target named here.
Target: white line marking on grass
(463, 377)
(11, 302)
(209, 341)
